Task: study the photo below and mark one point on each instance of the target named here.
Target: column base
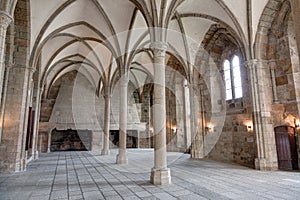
(105, 152)
(264, 165)
(197, 153)
(36, 155)
(160, 176)
(21, 165)
(122, 159)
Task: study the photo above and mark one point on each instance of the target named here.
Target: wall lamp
(249, 126)
(174, 129)
(209, 127)
(297, 123)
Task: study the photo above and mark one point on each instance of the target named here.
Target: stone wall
(281, 51)
(72, 103)
(235, 143)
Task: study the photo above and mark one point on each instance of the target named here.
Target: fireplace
(71, 140)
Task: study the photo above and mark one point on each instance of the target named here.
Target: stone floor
(87, 175)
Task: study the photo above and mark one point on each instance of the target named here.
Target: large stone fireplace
(71, 140)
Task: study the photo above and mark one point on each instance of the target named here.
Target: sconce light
(151, 129)
(209, 127)
(174, 129)
(249, 126)
(297, 123)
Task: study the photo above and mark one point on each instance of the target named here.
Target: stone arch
(264, 27)
(273, 45)
(8, 6)
(272, 48)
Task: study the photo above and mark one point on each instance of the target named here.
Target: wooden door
(294, 152)
(286, 148)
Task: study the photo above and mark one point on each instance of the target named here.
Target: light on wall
(209, 127)
(174, 129)
(297, 123)
(249, 126)
(151, 129)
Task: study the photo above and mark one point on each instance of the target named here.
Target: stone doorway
(286, 148)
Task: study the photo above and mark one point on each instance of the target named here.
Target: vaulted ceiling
(103, 38)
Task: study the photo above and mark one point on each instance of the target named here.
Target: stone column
(121, 157)
(3, 102)
(187, 116)
(192, 122)
(273, 78)
(160, 174)
(40, 141)
(180, 133)
(197, 135)
(12, 147)
(107, 97)
(5, 20)
(35, 151)
(261, 91)
(49, 142)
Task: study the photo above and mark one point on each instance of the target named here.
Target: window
(232, 77)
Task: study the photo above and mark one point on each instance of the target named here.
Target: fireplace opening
(131, 138)
(71, 140)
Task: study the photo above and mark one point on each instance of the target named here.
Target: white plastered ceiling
(56, 23)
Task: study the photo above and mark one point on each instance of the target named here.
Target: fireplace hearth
(71, 140)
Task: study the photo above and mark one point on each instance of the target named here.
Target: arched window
(232, 76)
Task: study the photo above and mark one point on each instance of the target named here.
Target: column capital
(30, 69)
(107, 96)
(107, 93)
(159, 48)
(192, 86)
(272, 64)
(5, 19)
(9, 65)
(124, 80)
(250, 63)
(256, 62)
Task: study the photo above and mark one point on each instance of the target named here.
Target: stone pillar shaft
(197, 150)
(261, 91)
(180, 134)
(273, 78)
(48, 142)
(121, 157)
(5, 20)
(15, 121)
(160, 174)
(107, 97)
(3, 102)
(36, 124)
(187, 114)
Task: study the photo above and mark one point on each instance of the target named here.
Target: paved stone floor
(87, 175)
